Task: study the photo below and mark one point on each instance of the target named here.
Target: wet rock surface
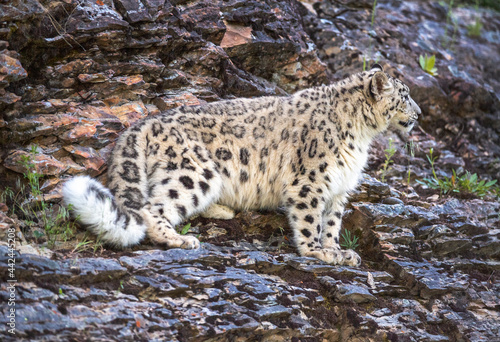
(74, 74)
(243, 292)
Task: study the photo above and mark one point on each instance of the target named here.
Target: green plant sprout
(28, 162)
(427, 64)
(350, 241)
(446, 41)
(471, 184)
(283, 238)
(410, 147)
(458, 183)
(98, 244)
(185, 229)
(369, 59)
(374, 9)
(389, 153)
(475, 30)
(36, 233)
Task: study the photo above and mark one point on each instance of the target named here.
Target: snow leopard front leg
(332, 221)
(306, 213)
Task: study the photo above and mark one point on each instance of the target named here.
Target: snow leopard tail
(95, 207)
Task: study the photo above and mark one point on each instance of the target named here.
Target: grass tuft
(464, 183)
(349, 240)
(41, 217)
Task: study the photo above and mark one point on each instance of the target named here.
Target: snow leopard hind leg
(183, 184)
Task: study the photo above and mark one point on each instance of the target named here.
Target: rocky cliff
(75, 73)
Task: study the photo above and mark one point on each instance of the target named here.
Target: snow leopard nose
(415, 107)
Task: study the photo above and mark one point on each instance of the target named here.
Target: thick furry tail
(95, 208)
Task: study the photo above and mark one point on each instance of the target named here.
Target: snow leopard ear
(376, 66)
(380, 86)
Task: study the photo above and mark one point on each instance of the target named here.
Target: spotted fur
(304, 152)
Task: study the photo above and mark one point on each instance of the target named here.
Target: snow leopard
(304, 153)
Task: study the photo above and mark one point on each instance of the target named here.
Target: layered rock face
(95, 67)
(74, 74)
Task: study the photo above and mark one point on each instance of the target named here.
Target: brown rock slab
(7, 97)
(7, 224)
(44, 164)
(90, 158)
(130, 112)
(205, 20)
(33, 126)
(95, 17)
(11, 70)
(72, 167)
(92, 78)
(236, 35)
(72, 68)
(134, 10)
(84, 130)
